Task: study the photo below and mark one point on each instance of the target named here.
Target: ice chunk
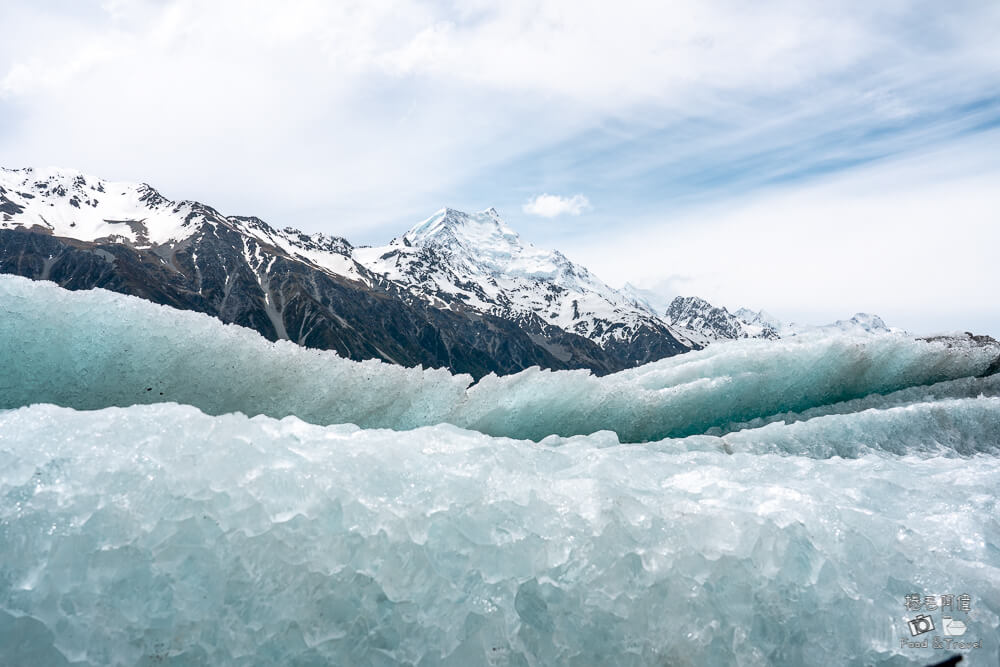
(970, 387)
(95, 349)
(962, 427)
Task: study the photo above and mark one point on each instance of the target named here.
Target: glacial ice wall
(95, 349)
(785, 499)
(158, 534)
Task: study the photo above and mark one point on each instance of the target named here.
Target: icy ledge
(95, 349)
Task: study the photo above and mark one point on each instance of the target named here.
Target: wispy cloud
(550, 206)
(361, 113)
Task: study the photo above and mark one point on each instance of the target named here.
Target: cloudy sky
(810, 158)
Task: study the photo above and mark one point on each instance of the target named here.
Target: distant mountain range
(458, 290)
(706, 323)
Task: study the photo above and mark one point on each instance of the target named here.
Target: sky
(811, 159)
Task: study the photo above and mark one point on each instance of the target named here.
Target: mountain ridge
(466, 290)
(448, 304)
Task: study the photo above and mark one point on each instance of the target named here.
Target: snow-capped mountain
(457, 290)
(706, 323)
(475, 261)
(69, 204)
(860, 323)
(760, 318)
(713, 323)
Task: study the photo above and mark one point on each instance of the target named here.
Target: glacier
(96, 349)
(179, 491)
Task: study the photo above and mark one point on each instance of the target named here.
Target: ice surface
(158, 534)
(95, 349)
(946, 428)
(785, 498)
(969, 387)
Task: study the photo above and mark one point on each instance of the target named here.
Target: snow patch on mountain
(70, 204)
(331, 253)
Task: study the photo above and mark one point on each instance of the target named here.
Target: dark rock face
(7, 207)
(283, 297)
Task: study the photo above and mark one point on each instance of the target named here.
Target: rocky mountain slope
(475, 261)
(457, 290)
(715, 323)
(706, 324)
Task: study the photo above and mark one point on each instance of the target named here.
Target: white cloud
(550, 206)
(581, 50)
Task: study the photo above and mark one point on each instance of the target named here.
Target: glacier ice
(95, 349)
(159, 533)
(754, 503)
(968, 387)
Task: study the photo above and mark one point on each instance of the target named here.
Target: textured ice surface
(159, 534)
(785, 499)
(96, 349)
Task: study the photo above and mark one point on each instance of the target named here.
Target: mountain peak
(761, 317)
(687, 303)
(456, 229)
(474, 261)
(865, 322)
(715, 323)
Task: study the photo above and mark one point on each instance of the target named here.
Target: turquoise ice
(98, 349)
(753, 504)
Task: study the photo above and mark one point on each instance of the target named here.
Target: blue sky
(751, 153)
